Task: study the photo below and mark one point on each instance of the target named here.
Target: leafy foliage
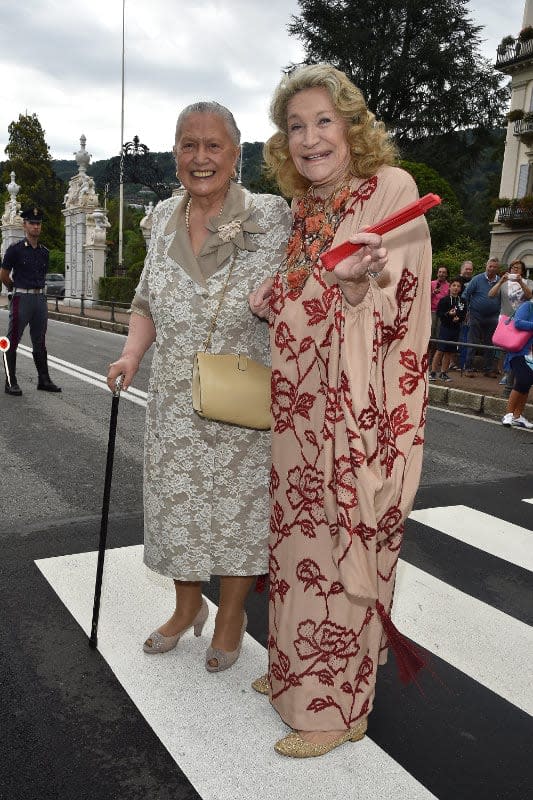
(133, 246)
(462, 249)
(119, 289)
(29, 157)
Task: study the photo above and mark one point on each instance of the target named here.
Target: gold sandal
(295, 746)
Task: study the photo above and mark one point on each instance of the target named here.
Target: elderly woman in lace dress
(205, 483)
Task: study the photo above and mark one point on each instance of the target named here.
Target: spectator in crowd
(521, 365)
(483, 313)
(439, 289)
(466, 272)
(514, 289)
(451, 311)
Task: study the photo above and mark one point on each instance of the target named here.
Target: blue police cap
(32, 214)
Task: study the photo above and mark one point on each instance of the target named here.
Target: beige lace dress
(206, 483)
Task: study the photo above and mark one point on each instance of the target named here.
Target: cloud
(63, 62)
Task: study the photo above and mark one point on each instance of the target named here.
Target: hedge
(119, 289)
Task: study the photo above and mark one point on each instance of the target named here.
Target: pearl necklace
(188, 211)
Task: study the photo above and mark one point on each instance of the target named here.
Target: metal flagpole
(121, 184)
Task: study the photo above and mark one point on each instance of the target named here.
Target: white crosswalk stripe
(491, 534)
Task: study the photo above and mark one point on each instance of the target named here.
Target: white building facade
(512, 229)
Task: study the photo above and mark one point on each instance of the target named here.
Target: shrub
(57, 261)
(526, 34)
(515, 115)
(120, 289)
(463, 249)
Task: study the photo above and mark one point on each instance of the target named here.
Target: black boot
(41, 362)
(12, 386)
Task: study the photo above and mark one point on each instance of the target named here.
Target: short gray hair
(211, 107)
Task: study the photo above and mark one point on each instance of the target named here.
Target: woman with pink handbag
(521, 365)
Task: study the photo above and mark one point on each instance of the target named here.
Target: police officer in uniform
(23, 272)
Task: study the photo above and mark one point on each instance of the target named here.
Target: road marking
(88, 376)
(529, 500)
(495, 536)
(491, 647)
(218, 730)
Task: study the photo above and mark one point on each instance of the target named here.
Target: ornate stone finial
(13, 188)
(82, 156)
(11, 214)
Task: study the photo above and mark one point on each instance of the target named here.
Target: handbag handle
(215, 317)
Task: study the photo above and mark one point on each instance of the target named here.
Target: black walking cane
(93, 641)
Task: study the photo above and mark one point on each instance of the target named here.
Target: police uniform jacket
(28, 265)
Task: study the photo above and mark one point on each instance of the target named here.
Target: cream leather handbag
(230, 387)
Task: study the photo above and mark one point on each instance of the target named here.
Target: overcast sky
(62, 61)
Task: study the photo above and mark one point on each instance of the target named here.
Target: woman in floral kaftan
(349, 395)
(205, 483)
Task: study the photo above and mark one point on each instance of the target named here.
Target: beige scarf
(231, 231)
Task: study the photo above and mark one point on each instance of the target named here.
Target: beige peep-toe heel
(225, 660)
(157, 643)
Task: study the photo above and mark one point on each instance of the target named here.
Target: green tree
(30, 159)
(462, 249)
(418, 65)
(446, 222)
(134, 248)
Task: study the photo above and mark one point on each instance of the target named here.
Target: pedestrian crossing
(498, 537)
(220, 733)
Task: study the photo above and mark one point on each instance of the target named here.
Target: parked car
(55, 284)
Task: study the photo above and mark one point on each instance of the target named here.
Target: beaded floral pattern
(314, 224)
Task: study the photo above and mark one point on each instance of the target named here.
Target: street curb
(481, 404)
(90, 322)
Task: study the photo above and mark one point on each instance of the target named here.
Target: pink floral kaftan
(349, 395)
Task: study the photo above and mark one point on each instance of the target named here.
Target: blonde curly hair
(369, 143)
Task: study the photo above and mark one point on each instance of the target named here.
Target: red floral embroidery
(417, 372)
(306, 490)
(329, 643)
(309, 573)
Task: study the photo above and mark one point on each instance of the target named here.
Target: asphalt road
(73, 729)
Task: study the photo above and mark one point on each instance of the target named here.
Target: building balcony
(523, 129)
(516, 215)
(511, 55)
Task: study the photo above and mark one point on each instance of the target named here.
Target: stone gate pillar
(85, 232)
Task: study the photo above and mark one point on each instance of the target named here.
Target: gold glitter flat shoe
(294, 746)
(261, 685)
(157, 643)
(224, 659)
